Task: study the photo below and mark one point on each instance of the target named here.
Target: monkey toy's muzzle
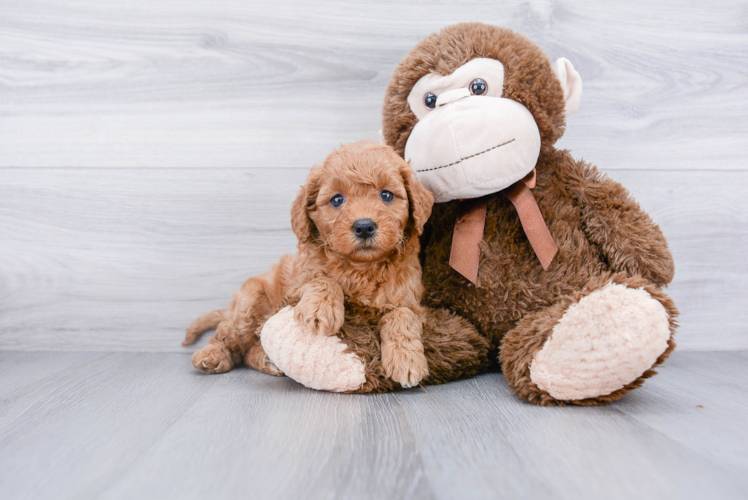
(470, 146)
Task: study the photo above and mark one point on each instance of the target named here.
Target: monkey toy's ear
(571, 84)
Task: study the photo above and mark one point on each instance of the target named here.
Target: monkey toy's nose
(452, 96)
(364, 228)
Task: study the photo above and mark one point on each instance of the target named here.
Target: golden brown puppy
(357, 219)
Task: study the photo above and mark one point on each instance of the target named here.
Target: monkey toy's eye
(429, 100)
(478, 86)
(337, 200)
(386, 196)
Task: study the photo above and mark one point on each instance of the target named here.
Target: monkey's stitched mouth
(467, 157)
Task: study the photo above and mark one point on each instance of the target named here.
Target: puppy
(357, 219)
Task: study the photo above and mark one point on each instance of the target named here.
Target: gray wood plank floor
(147, 425)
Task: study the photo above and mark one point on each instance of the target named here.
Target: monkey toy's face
(470, 139)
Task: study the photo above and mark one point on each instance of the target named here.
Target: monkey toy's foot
(591, 351)
(317, 361)
(351, 361)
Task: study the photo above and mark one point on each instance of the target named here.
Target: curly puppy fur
(333, 264)
(602, 233)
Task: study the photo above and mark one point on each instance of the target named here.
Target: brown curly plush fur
(522, 342)
(601, 232)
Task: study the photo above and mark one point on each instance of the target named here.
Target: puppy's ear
(301, 223)
(421, 200)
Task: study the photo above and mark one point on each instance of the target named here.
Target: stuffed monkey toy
(553, 263)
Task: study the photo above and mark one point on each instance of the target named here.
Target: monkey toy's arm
(628, 237)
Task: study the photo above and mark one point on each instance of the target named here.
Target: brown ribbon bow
(471, 221)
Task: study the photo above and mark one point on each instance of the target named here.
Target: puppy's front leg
(403, 358)
(321, 306)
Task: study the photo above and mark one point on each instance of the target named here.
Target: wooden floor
(136, 425)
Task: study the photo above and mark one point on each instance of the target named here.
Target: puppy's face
(362, 203)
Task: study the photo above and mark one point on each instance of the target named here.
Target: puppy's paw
(405, 363)
(270, 368)
(213, 358)
(257, 359)
(320, 313)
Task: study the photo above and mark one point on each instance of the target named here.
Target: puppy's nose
(364, 228)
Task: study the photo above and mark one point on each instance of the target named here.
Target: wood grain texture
(235, 83)
(110, 259)
(140, 425)
(173, 137)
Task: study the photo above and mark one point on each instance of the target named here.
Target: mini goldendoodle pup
(357, 219)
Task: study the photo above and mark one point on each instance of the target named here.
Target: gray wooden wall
(149, 149)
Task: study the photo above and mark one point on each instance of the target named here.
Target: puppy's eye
(429, 100)
(337, 200)
(478, 86)
(386, 196)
